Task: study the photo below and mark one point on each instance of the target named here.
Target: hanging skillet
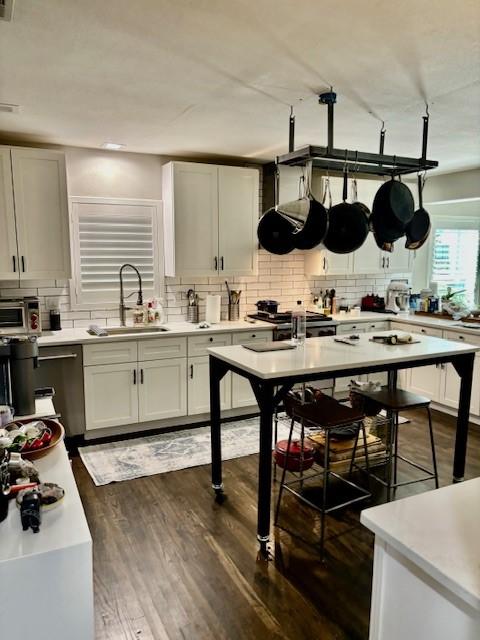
(394, 205)
(418, 229)
(348, 224)
(309, 215)
(275, 230)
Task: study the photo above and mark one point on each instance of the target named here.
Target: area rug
(150, 455)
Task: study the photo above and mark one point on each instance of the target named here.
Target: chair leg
(284, 472)
(354, 454)
(302, 457)
(390, 448)
(365, 449)
(395, 453)
(432, 443)
(275, 440)
(326, 469)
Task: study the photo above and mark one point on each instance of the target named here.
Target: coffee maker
(18, 360)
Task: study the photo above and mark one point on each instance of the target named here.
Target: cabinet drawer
(109, 353)
(244, 337)
(159, 348)
(458, 336)
(382, 325)
(198, 345)
(351, 327)
(415, 328)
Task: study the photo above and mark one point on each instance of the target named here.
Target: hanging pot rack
(331, 159)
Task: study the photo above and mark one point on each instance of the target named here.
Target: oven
(20, 316)
(284, 332)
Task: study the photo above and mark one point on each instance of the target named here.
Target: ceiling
(208, 77)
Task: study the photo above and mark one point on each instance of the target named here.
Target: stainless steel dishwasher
(62, 369)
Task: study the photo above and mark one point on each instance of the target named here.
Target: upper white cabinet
(210, 219)
(320, 262)
(8, 237)
(34, 214)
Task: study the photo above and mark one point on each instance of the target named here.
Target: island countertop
(325, 355)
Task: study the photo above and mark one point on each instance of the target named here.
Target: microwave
(20, 316)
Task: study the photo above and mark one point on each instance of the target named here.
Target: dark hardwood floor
(169, 563)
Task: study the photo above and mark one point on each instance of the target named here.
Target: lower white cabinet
(111, 397)
(199, 387)
(162, 390)
(242, 394)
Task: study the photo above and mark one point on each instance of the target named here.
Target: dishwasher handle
(66, 356)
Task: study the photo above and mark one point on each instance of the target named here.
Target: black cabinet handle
(191, 371)
(141, 376)
(134, 376)
(215, 262)
(211, 339)
(254, 335)
(14, 264)
(221, 263)
(23, 264)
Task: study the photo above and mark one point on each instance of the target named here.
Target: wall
(452, 186)
(93, 172)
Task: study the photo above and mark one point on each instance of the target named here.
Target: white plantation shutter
(105, 235)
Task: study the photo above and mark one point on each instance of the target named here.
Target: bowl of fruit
(32, 438)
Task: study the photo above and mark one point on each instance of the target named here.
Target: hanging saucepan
(418, 229)
(275, 230)
(394, 204)
(348, 224)
(308, 214)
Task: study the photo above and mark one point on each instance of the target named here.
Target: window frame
(75, 202)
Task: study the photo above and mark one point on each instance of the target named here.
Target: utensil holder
(233, 311)
(192, 313)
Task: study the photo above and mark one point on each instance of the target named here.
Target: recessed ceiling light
(9, 108)
(112, 146)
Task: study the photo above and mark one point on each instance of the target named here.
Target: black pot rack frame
(340, 160)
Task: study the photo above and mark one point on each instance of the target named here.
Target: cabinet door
(8, 238)
(111, 397)
(426, 381)
(242, 394)
(338, 264)
(367, 259)
(41, 210)
(195, 212)
(238, 217)
(199, 387)
(162, 389)
(451, 387)
(315, 262)
(400, 260)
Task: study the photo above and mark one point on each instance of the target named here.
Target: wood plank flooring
(171, 564)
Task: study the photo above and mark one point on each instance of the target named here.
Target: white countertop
(80, 335)
(324, 355)
(64, 526)
(439, 531)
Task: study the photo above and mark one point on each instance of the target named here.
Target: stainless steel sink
(120, 331)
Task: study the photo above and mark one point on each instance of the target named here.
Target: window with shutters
(107, 233)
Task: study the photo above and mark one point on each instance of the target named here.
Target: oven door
(12, 317)
(321, 332)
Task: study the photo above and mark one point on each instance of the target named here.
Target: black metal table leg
(217, 370)
(264, 392)
(464, 367)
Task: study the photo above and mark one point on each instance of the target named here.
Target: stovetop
(282, 317)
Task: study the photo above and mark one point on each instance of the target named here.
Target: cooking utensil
(267, 306)
(228, 291)
(418, 229)
(394, 206)
(275, 230)
(348, 224)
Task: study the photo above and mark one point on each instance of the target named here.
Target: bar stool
(393, 401)
(330, 417)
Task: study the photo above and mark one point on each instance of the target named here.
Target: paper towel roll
(212, 313)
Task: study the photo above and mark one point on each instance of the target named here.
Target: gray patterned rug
(147, 456)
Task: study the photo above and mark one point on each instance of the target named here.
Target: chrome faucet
(122, 306)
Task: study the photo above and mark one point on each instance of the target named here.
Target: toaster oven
(20, 316)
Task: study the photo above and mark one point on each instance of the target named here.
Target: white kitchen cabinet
(41, 213)
(8, 237)
(210, 219)
(242, 394)
(238, 219)
(425, 381)
(450, 382)
(320, 262)
(111, 397)
(162, 389)
(368, 258)
(199, 387)
(400, 260)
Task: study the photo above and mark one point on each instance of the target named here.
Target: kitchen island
(426, 570)
(273, 374)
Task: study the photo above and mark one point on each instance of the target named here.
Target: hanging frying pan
(348, 225)
(275, 230)
(418, 229)
(355, 200)
(394, 205)
(309, 215)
